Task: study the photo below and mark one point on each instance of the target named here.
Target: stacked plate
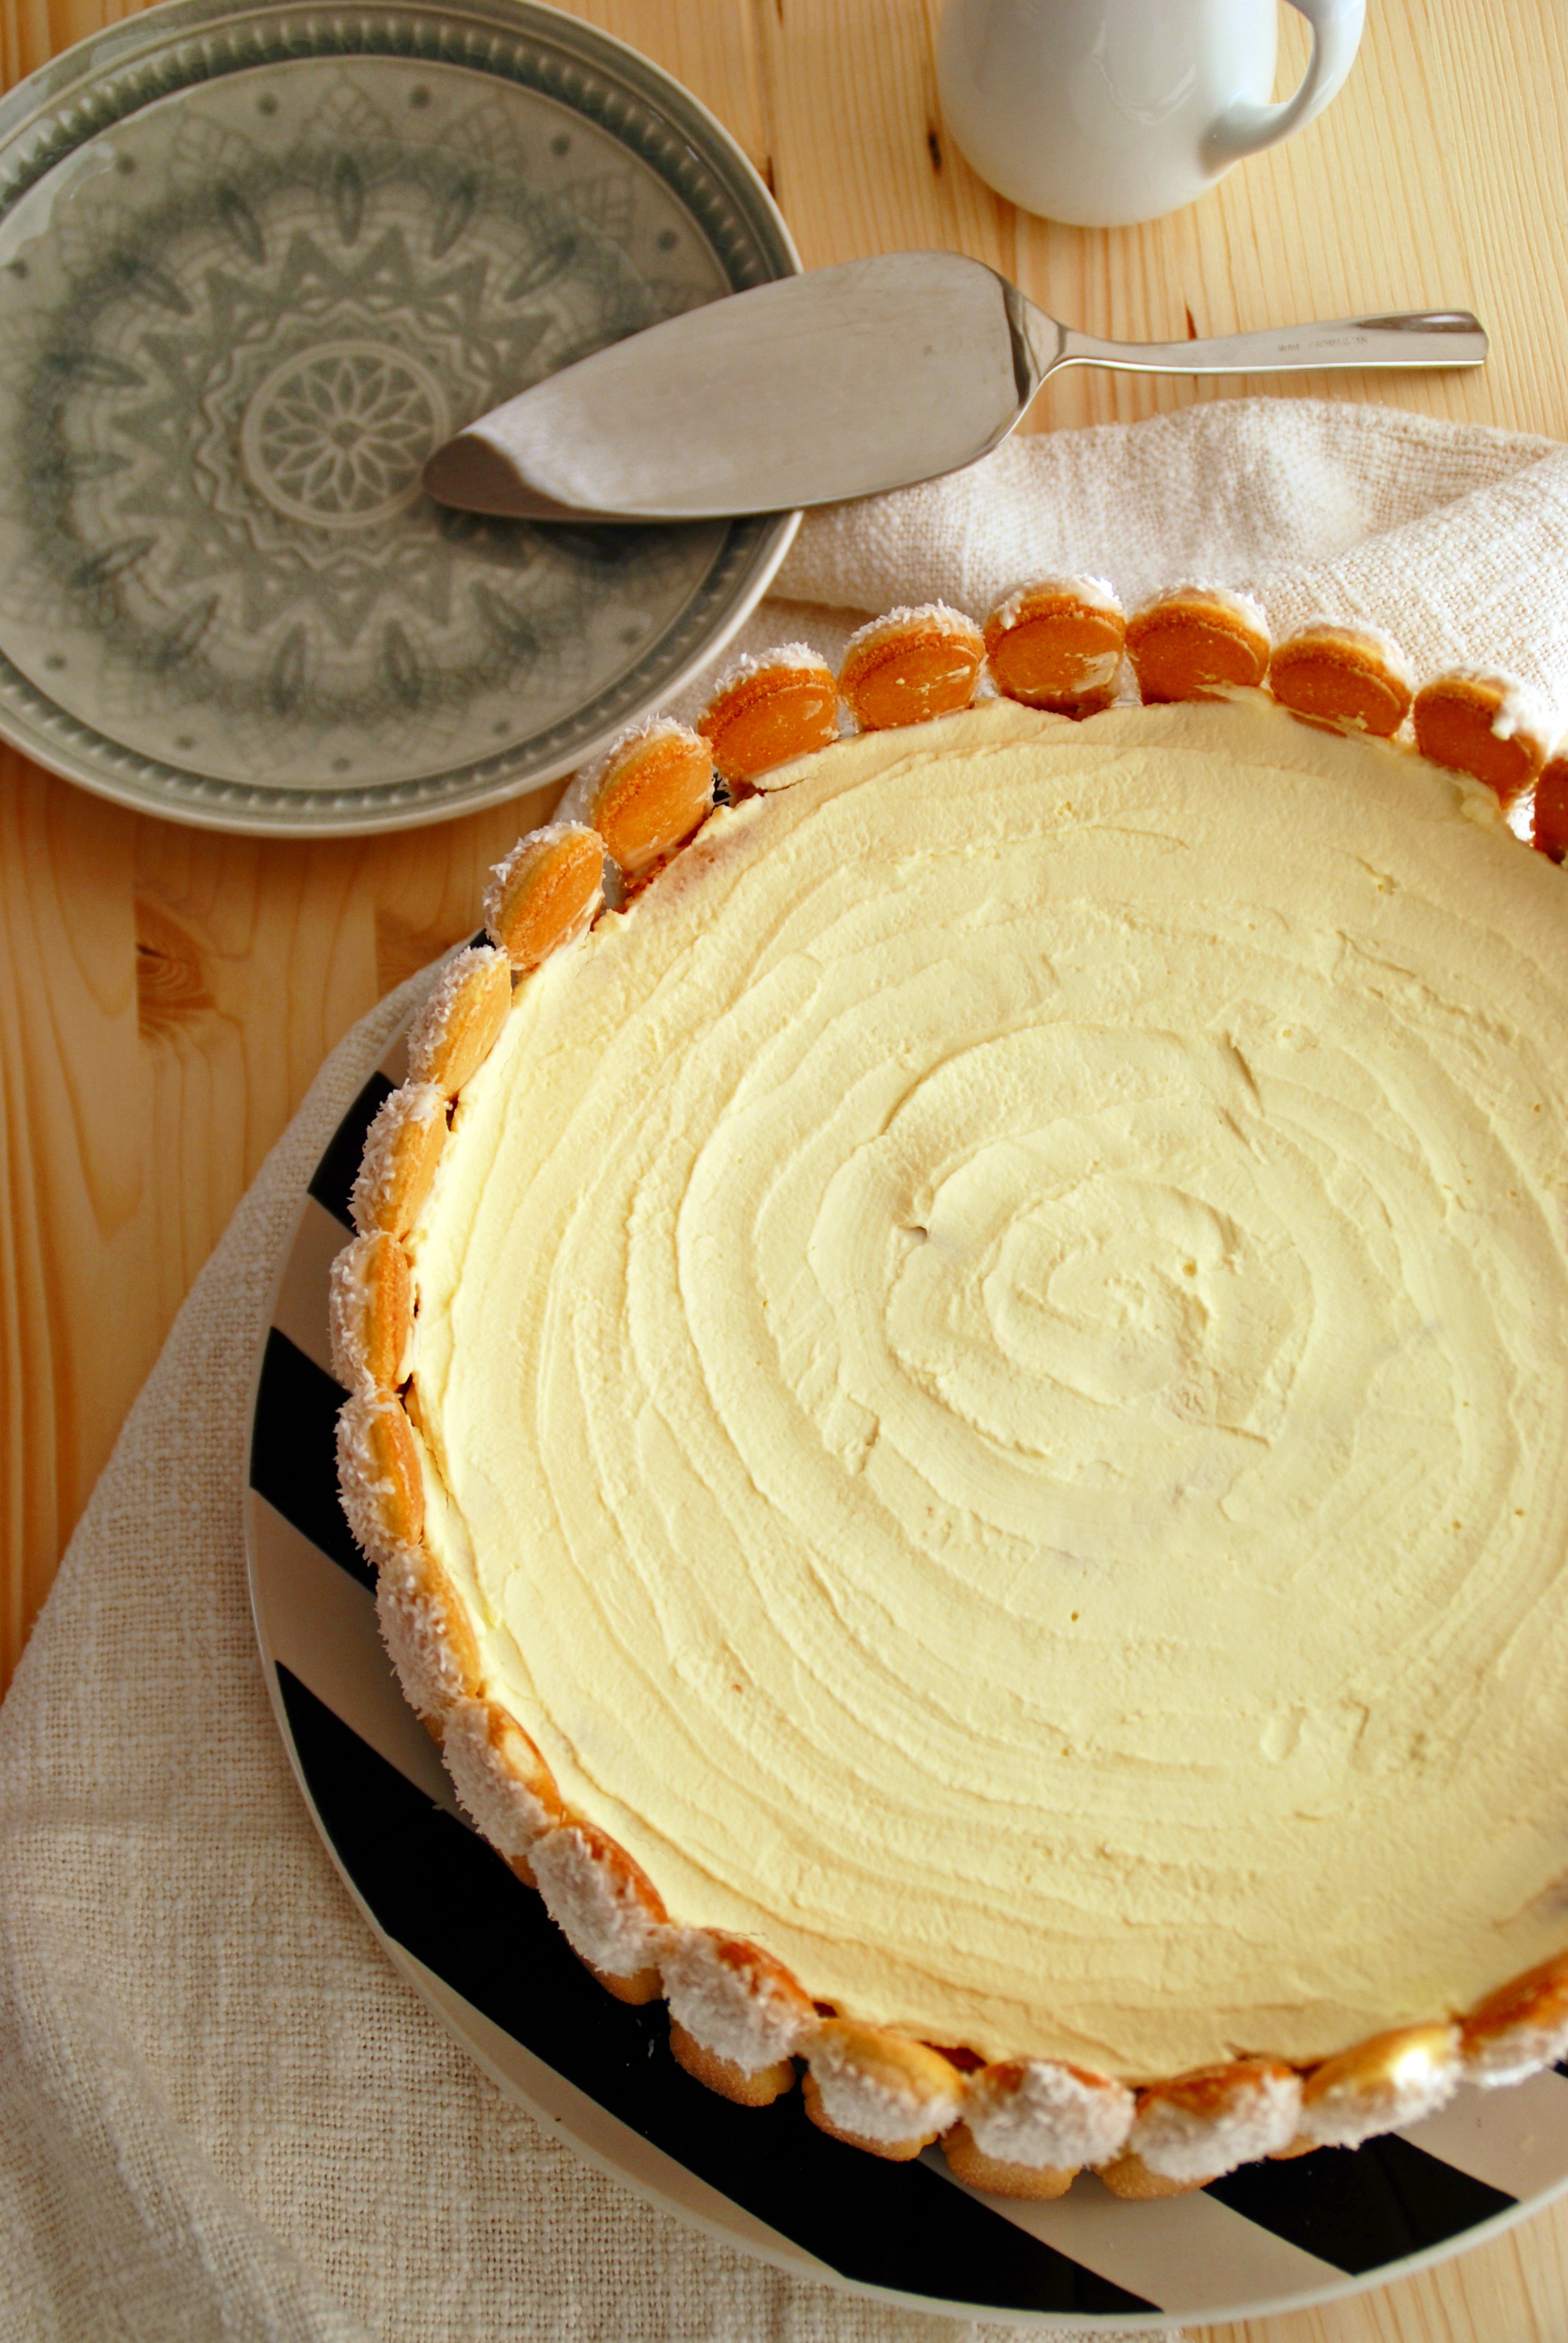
(257, 262)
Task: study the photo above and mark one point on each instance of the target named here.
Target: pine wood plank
(165, 998)
(196, 983)
(213, 1075)
(1413, 191)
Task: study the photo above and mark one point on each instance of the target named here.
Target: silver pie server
(841, 382)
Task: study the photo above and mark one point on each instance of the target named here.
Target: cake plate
(257, 260)
(482, 1953)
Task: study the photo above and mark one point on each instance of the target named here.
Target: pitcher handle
(1246, 128)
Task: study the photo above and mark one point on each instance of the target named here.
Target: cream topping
(994, 1355)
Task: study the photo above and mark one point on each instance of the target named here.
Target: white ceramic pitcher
(1103, 112)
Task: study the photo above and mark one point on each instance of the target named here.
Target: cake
(959, 1385)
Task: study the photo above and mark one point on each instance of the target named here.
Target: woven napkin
(222, 2114)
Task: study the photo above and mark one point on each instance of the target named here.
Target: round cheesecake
(990, 1379)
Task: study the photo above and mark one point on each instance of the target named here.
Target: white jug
(1103, 112)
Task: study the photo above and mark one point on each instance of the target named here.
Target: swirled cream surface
(994, 1359)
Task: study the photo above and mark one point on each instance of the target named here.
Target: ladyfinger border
(878, 671)
(739, 2021)
(1356, 673)
(370, 1313)
(461, 1018)
(880, 2089)
(1077, 626)
(1195, 2127)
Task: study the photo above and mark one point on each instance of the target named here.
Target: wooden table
(166, 996)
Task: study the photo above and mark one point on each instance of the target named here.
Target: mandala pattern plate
(256, 263)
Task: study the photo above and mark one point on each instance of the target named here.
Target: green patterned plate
(256, 263)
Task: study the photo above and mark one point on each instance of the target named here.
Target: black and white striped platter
(480, 1949)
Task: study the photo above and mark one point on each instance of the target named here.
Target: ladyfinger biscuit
(878, 2089)
(908, 666)
(605, 1905)
(427, 1635)
(1549, 814)
(1393, 2079)
(769, 708)
(1194, 2127)
(1197, 642)
(736, 2016)
(1349, 677)
(546, 892)
(502, 1783)
(1129, 2176)
(370, 1313)
(402, 1148)
(747, 2087)
(455, 1029)
(653, 789)
(1058, 644)
(1520, 2029)
(1550, 809)
(968, 2162)
(1480, 721)
(380, 1485)
(1038, 2116)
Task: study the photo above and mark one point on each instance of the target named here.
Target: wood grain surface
(166, 995)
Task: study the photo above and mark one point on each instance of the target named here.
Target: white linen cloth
(222, 2114)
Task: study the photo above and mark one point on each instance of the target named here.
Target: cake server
(839, 383)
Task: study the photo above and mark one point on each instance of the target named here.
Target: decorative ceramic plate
(481, 1950)
(257, 262)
